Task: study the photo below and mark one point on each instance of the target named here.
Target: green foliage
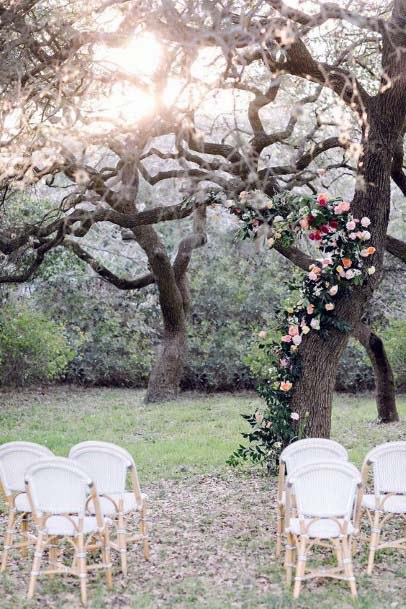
(231, 295)
(107, 327)
(355, 372)
(33, 349)
(394, 337)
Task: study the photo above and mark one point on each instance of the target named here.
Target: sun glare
(140, 56)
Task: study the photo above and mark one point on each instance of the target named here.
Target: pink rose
(333, 291)
(293, 331)
(262, 334)
(350, 225)
(345, 206)
(283, 363)
(310, 309)
(286, 338)
(297, 340)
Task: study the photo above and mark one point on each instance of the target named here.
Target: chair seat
(61, 526)
(395, 504)
(107, 506)
(323, 529)
(21, 503)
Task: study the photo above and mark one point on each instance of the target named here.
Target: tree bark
(314, 389)
(384, 379)
(164, 380)
(174, 300)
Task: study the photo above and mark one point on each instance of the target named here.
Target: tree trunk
(384, 379)
(166, 374)
(313, 391)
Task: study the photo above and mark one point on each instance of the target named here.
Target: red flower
(325, 229)
(322, 200)
(237, 210)
(317, 236)
(310, 219)
(333, 223)
(255, 223)
(312, 237)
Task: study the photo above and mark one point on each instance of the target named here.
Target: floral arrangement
(344, 244)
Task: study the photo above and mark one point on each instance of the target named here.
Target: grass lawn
(212, 534)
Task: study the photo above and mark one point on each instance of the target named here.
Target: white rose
(365, 221)
(349, 274)
(333, 291)
(371, 270)
(315, 324)
(278, 219)
(366, 235)
(296, 340)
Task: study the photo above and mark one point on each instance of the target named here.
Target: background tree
(59, 132)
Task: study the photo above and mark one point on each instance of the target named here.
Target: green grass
(196, 434)
(213, 527)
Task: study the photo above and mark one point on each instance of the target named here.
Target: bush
(110, 330)
(33, 349)
(394, 337)
(355, 372)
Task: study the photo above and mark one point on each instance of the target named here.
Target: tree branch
(396, 247)
(120, 282)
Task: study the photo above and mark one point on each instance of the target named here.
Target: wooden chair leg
(8, 541)
(122, 542)
(300, 567)
(24, 530)
(279, 532)
(53, 554)
(338, 551)
(347, 564)
(144, 532)
(375, 534)
(107, 557)
(81, 561)
(36, 565)
(289, 558)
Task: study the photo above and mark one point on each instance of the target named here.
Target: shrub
(33, 348)
(394, 337)
(110, 330)
(355, 372)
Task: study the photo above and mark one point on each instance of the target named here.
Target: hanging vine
(344, 245)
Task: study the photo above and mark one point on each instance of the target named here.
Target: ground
(212, 527)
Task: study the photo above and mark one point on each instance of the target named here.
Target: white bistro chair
(58, 490)
(297, 454)
(325, 496)
(388, 463)
(15, 458)
(108, 465)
